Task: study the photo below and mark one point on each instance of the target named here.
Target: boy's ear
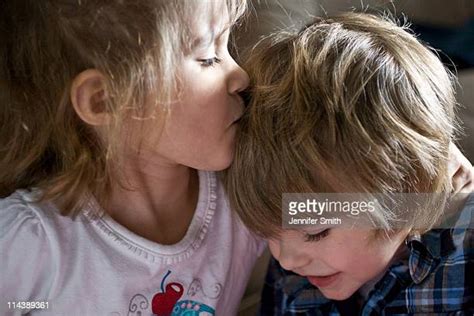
(88, 97)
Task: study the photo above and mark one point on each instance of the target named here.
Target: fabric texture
(94, 266)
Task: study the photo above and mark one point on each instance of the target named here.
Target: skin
(355, 255)
(199, 132)
(162, 186)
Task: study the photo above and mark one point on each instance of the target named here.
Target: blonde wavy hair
(136, 45)
(351, 103)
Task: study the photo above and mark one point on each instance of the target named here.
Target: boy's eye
(317, 237)
(209, 62)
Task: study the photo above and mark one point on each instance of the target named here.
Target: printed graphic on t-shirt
(167, 301)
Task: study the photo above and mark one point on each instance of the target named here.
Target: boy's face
(201, 127)
(338, 261)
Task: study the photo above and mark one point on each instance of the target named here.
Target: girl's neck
(157, 201)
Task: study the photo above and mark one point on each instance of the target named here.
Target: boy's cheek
(274, 247)
(343, 289)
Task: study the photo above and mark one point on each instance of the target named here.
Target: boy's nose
(289, 255)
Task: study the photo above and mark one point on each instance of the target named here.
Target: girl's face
(338, 261)
(201, 127)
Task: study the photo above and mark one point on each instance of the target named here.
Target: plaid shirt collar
(423, 258)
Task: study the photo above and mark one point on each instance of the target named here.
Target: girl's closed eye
(317, 237)
(209, 62)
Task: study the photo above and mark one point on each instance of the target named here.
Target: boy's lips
(323, 281)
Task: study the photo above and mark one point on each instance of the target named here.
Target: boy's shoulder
(455, 242)
(441, 267)
(453, 245)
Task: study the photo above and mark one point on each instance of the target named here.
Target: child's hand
(460, 170)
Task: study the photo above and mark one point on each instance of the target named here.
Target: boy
(353, 104)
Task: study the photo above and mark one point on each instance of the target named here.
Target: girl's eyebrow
(203, 41)
(207, 40)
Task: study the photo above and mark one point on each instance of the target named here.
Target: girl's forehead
(213, 14)
(214, 8)
(209, 22)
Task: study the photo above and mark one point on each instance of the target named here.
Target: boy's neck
(157, 202)
(401, 254)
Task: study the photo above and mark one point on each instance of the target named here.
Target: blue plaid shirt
(436, 279)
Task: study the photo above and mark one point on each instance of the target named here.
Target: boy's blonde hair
(44, 45)
(352, 103)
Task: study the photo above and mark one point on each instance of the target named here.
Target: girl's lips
(236, 121)
(323, 281)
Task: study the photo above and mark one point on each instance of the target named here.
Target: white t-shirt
(94, 266)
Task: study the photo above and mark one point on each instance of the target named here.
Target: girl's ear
(88, 97)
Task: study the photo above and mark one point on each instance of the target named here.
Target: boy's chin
(337, 294)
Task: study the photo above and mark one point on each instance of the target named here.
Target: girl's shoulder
(24, 224)
(28, 257)
(27, 219)
(20, 212)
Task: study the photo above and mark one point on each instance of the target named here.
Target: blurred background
(447, 26)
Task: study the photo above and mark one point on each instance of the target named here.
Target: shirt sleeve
(25, 264)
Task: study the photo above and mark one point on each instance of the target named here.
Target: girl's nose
(239, 79)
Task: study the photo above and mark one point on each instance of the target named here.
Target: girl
(108, 109)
